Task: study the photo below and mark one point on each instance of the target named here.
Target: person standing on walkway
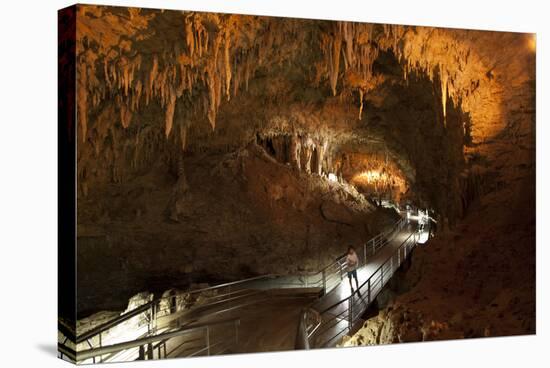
(352, 262)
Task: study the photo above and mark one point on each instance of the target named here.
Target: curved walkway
(257, 303)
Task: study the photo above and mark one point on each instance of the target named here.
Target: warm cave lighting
(371, 176)
(332, 177)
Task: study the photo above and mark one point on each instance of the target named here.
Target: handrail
(302, 335)
(90, 353)
(134, 312)
(302, 340)
(219, 286)
(115, 321)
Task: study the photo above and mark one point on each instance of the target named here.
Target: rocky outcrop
(336, 213)
(241, 215)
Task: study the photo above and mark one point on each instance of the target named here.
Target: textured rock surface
(239, 215)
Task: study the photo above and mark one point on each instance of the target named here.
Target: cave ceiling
(212, 79)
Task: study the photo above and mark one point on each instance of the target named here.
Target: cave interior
(215, 147)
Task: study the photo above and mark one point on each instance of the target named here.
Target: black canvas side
(66, 161)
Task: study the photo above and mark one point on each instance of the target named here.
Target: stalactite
(227, 65)
(444, 97)
(246, 73)
(152, 76)
(212, 76)
(189, 36)
(347, 29)
(125, 115)
(295, 151)
(309, 153)
(82, 100)
(194, 65)
(170, 108)
(335, 60)
(322, 151)
(183, 136)
(360, 103)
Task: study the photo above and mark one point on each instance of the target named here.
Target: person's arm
(353, 259)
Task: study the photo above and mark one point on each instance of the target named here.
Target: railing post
(141, 353)
(207, 340)
(373, 246)
(350, 313)
(151, 318)
(150, 351)
(237, 322)
(324, 282)
(231, 302)
(101, 357)
(340, 268)
(156, 308)
(368, 291)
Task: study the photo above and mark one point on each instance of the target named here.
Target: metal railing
(200, 339)
(167, 311)
(340, 318)
(379, 241)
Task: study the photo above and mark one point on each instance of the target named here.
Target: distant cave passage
(277, 147)
(315, 167)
